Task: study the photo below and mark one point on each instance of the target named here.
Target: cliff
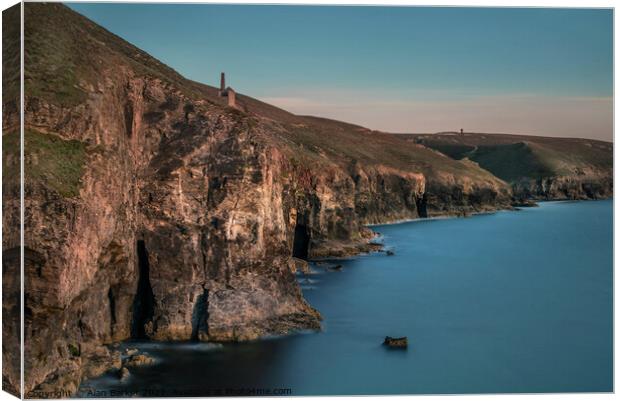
(155, 210)
(537, 167)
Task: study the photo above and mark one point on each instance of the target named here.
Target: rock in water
(390, 253)
(139, 360)
(123, 374)
(300, 265)
(99, 360)
(395, 342)
(524, 203)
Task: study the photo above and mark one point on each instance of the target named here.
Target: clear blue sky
(399, 69)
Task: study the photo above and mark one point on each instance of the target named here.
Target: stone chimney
(222, 83)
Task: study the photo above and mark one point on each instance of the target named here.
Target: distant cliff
(155, 210)
(541, 168)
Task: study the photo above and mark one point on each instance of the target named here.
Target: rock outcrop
(396, 342)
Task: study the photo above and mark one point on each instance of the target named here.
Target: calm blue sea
(515, 301)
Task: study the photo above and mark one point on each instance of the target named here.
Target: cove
(515, 301)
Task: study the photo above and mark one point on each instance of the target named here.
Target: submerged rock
(389, 253)
(131, 351)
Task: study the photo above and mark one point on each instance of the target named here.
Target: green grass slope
(347, 143)
(48, 160)
(67, 56)
(513, 157)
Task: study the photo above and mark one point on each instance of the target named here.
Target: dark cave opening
(200, 315)
(112, 303)
(421, 204)
(301, 241)
(144, 299)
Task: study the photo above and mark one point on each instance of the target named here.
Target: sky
(397, 69)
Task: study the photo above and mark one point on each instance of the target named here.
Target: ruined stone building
(227, 92)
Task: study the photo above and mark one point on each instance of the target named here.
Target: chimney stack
(222, 82)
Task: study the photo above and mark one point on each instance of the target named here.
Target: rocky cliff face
(578, 186)
(154, 210)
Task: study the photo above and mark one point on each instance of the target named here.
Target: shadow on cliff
(144, 299)
(301, 241)
(200, 316)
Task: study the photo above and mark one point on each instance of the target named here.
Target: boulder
(299, 265)
(123, 374)
(99, 360)
(395, 342)
(524, 203)
(138, 360)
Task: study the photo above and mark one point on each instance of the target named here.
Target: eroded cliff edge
(155, 210)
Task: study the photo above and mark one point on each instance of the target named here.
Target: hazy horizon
(533, 71)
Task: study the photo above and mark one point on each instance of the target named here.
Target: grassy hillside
(68, 56)
(512, 157)
(10, 53)
(48, 160)
(347, 143)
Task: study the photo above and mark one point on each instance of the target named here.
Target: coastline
(372, 244)
(342, 281)
(438, 217)
(366, 247)
(534, 201)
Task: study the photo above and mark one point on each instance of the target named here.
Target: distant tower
(222, 85)
(461, 131)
